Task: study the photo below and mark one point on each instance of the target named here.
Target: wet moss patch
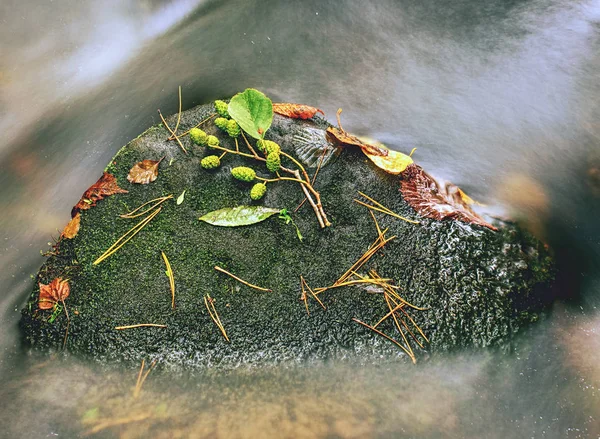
(479, 286)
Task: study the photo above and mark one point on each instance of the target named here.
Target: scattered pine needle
(109, 423)
(134, 213)
(142, 378)
(386, 336)
(140, 325)
(381, 208)
(171, 278)
(210, 303)
(171, 131)
(127, 237)
(241, 280)
(195, 126)
(306, 287)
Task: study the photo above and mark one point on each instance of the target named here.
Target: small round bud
(221, 107)
(233, 129)
(210, 162)
(273, 162)
(212, 141)
(258, 191)
(267, 146)
(221, 123)
(243, 173)
(198, 136)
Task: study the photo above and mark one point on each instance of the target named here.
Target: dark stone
(479, 286)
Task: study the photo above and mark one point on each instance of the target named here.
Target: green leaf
(253, 112)
(180, 198)
(238, 216)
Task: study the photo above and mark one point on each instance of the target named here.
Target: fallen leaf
(343, 138)
(238, 216)
(253, 112)
(144, 172)
(393, 162)
(56, 291)
(296, 111)
(181, 197)
(105, 186)
(71, 229)
(429, 199)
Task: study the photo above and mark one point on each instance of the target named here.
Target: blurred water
(502, 98)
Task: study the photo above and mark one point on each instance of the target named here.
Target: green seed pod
(221, 107)
(198, 136)
(243, 173)
(221, 122)
(268, 146)
(273, 162)
(212, 141)
(210, 162)
(233, 129)
(258, 191)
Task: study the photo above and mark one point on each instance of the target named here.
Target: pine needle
(209, 302)
(140, 325)
(134, 214)
(171, 131)
(381, 208)
(126, 237)
(171, 278)
(386, 336)
(195, 126)
(304, 296)
(241, 280)
(305, 284)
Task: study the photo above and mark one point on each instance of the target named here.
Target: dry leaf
(393, 162)
(56, 291)
(71, 229)
(424, 194)
(144, 172)
(296, 111)
(345, 139)
(105, 186)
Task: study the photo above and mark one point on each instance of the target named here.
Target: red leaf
(105, 186)
(56, 291)
(296, 111)
(425, 195)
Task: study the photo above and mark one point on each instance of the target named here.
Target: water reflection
(499, 97)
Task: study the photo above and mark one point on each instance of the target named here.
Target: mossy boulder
(477, 286)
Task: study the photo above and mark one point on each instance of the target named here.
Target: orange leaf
(296, 111)
(105, 186)
(71, 229)
(423, 193)
(56, 291)
(144, 172)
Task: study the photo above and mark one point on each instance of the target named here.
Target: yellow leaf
(393, 162)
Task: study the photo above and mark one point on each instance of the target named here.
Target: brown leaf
(144, 172)
(296, 111)
(424, 194)
(71, 229)
(56, 291)
(105, 186)
(346, 139)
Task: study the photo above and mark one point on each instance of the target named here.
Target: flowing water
(502, 98)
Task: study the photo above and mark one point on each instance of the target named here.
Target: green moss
(471, 281)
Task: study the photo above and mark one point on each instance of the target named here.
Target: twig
(126, 237)
(248, 145)
(140, 325)
(171, 278)
(171, 131)
(133, 213)
(214, 315)
(240, 280)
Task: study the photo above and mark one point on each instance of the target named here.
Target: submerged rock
(476, 286)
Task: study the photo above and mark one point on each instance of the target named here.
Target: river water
(502, 98)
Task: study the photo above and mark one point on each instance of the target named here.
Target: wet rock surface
(478, 286)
